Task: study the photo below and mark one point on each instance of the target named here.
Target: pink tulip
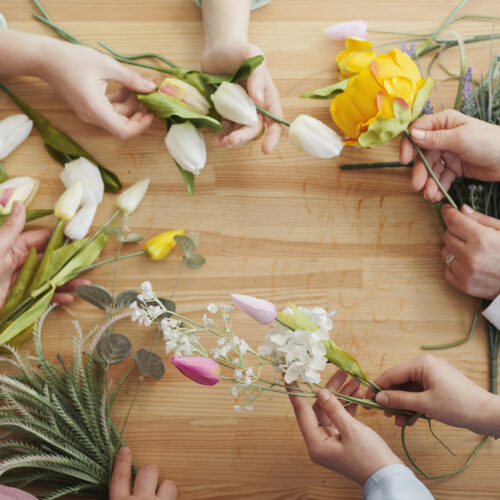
(260, 310)
(7, 493)
(204, 371)
(341, 31)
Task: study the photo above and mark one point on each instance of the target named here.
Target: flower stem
(139, 383)
(273, 117)
(111, 259)
(178, 279)
(431, 172)
(383, 164)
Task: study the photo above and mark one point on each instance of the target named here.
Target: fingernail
(381, 398)
(150, 85)
(16, 208)
(125, 450)
(324, 395)
(418, 134)
(467, 209)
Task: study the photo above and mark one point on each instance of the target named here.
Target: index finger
(409, 371)
(120, 485)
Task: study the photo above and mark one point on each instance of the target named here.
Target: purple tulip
(7, 493)
(204, 371)
(260, 310)
(341, 31)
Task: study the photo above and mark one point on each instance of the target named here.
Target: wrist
(486, 417)
(364, 473)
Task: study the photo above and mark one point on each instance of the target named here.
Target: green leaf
(185, 243)
(421, 98)
(59, 143)
(168, 304)
(31, 215)
(149, 364)
(113, 231)
(166, 107)
(302, 320)
(133, 238)
(328, 92)
(3, 173)
(194, 261)
(288, 319)
(343, 360)
(96, 295)
(244, 70)
(124, 299)
(188, 179)
(114, 348)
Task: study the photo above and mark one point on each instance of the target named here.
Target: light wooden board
(285, 227)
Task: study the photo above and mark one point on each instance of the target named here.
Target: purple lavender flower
(408, 50)
(472, 187)
(468, 104)
(428, 108)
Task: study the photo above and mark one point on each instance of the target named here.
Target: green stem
(431, 172)
(270, 115)
(137, 56)
(448, 45)
(139, 383)
(284, 324)
(383, 164)
(458, 342)
(120, 383)
(178, 279)
(3, 173)
(107, 261)
(116, 267)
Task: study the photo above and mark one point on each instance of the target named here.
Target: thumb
(334, 410)
(401, 400)
(13, 227)
(437, 139)
(481, 218)
(132, 80)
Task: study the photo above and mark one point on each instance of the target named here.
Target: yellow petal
(345, 115)
(384, 104)
(395, 63)
(355, 57)
(402, 87)
(162, 244)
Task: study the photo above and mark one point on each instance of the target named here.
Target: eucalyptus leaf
(166, 107)
(114, 348)
(31, 215)
(96, 295)
(168, 304)
(185, 243)
(328, 92)
(133, 238)
(188, 179)
(124, 299)
(113, 231)
(194, 261)
(60, 144)
(149, 364)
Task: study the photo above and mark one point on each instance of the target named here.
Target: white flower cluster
(142, 311)
(300, 353)
(226, 345)
(248, 393)
(182, 341)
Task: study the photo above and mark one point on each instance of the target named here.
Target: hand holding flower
(455, 145)
(335, 439)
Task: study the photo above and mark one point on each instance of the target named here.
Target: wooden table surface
(285, 227)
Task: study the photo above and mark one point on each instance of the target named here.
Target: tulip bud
(232, 102)
(83, 170)
(13, 131)
(187, 147)
(78, 227)
(314, 137)
(21, 189)
(8, 493)
(260, 310)
(204, 371)
(162, 244)
(341, 31)
(3, 22)
(129, 200)
(185, 94)
(69, 201)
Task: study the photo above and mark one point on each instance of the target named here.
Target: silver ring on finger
(449, 259)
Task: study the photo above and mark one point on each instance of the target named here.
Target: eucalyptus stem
(382, 164)
(139, 383)
(431, 172)
(178, 279)
(120, 243)
(107, 261)
(273, 117)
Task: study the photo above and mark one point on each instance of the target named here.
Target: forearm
(487, 417)
(22, 54)
(225, 20)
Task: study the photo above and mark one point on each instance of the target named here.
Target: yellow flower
(381, 100)
(355, 57)
(162, 244)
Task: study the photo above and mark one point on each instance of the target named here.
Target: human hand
(333, 436)
(473, 239)
(145, 485)
(223, 57)
(80, 76)
(14, 248)
(433, 386)
(455, 145)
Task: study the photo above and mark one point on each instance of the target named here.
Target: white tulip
(83, 170)
(68, 203)
(186, 145)
(314, 137)
(232, 102)
(187, 95)
(21, 189)
(78, 227)
(129, 200)
(13, 131)
(3, 22)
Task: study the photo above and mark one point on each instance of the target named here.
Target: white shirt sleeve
(492, 312)
(395, 482)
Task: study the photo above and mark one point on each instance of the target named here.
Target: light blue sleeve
(395, 482)
(256, 4)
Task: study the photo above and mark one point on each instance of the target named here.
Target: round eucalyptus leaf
(133, 238)
(149, 364)
(114, 348)
(113, 231)
(195, 261)
(124, 299)
(186, 244)
(96, 295)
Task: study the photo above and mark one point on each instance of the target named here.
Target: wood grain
(283, 227)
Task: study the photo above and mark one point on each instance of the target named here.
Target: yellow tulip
(381, 100)
(356, 56)
(162, 244)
